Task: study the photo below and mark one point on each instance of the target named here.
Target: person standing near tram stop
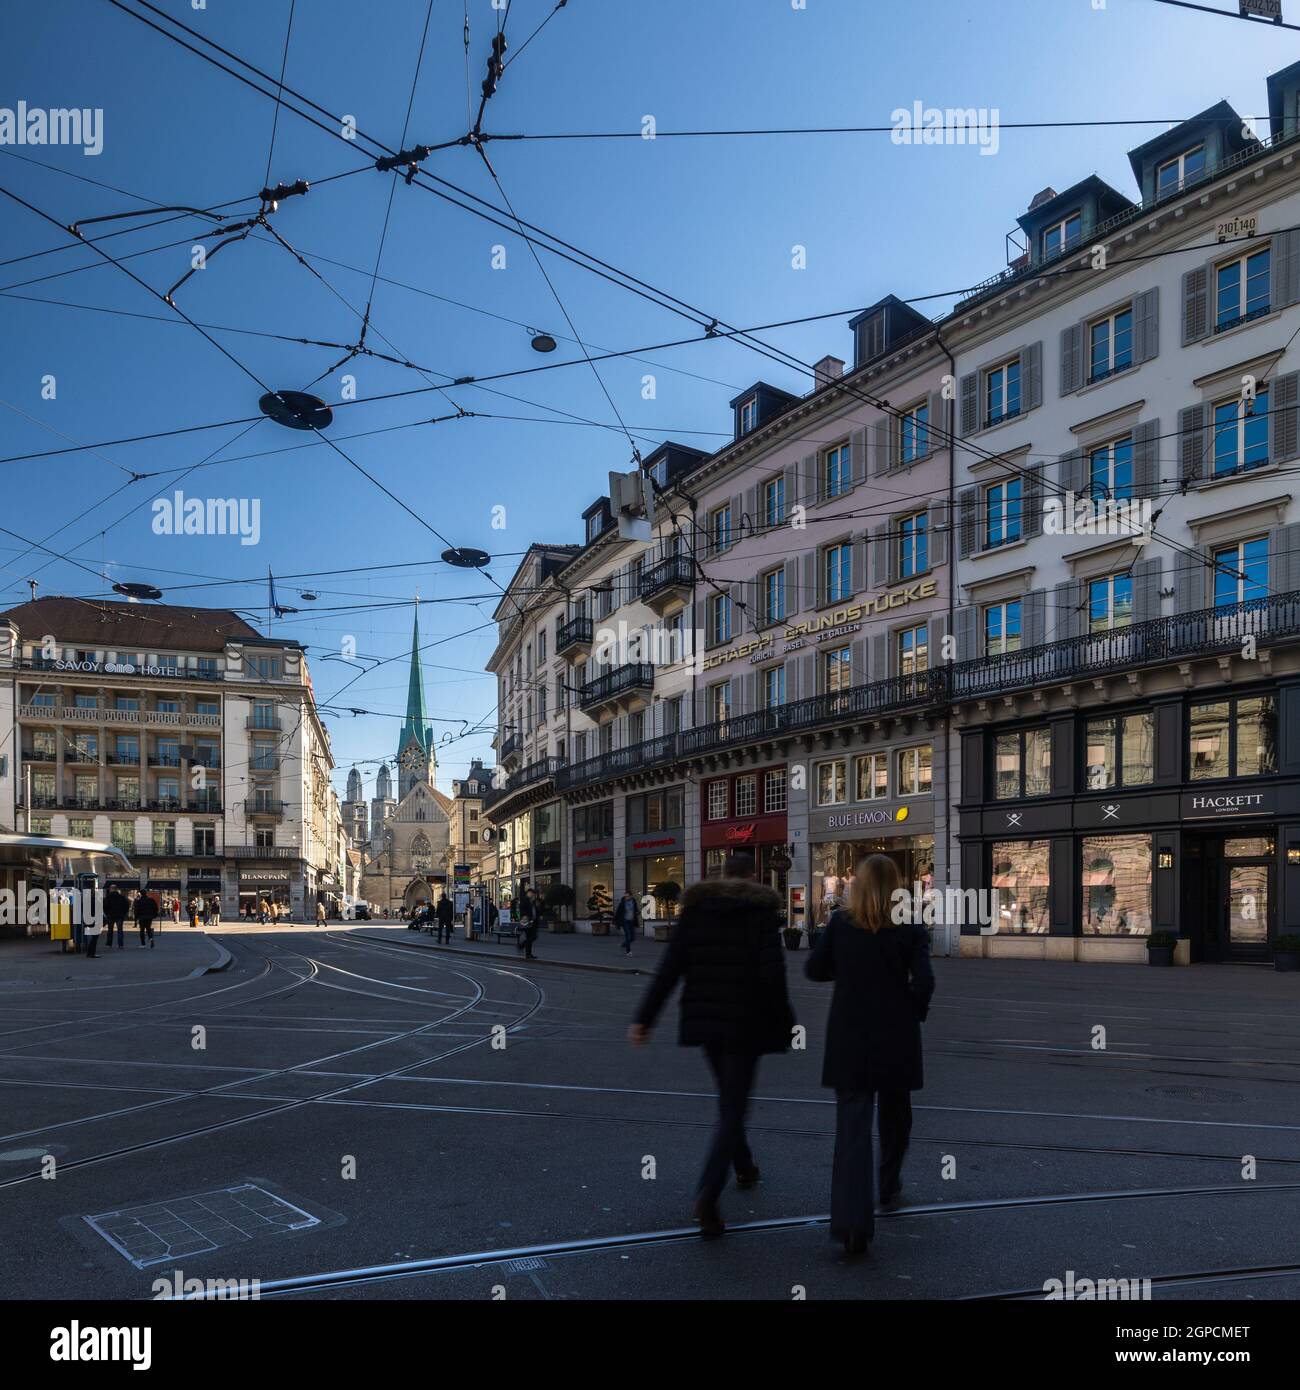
(144, 912)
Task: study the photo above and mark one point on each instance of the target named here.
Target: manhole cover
(1199, 1093)
(183, 1226)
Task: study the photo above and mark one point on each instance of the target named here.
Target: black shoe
(891, 1201)
(856, 1246)
(709, 1219)
(746, 1180)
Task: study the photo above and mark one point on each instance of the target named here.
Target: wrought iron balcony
(1205, 632)
(124, 759)
(39, 755)
(165, 803)
(269, 723)
(512, 747)
(263, 852)
(265, 806)
(668, 582)
(573, 638)
(542, 770)
(626, 686)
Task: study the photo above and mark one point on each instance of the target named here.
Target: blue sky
(710, 220)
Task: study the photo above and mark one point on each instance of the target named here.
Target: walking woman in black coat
(883, 983)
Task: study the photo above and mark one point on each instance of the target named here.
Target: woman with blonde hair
(880, 963)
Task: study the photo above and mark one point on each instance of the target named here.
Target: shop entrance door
(1229, 895)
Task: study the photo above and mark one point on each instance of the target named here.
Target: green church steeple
(416, 726)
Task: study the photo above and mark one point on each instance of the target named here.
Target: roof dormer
(882, 327)
(1057, 223)
(596, 520)
(1284, 103)
(757, 406)
(670, 461)
(1192, 151)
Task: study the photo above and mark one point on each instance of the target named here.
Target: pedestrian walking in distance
(116, 907)
(446, 914)
(883, 983)
(726, 949)
(320, 912)
(194, 910)
(628, 916)
(531, 916)
(176, 911)
(144, 912)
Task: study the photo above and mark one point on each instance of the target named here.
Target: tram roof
(41, 852)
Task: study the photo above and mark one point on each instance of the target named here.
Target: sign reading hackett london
(1212, 805)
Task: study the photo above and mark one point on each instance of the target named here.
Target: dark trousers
(629, 932)
(109, 927)
(146, 930)
(734, 1074)
(92, 940)
(852, 1195)
(444, 933)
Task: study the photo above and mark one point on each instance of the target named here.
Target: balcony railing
(576, 632)
(263, 852)
(676, 572)
(541, 770)
(1205, 632)
(511, 746)
(635, 675)
(265, 806)
(124, 759)
(270, 723)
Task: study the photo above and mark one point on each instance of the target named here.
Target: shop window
(1119, 751)
(714, 859)
(774, 791)
(831, 783)
(1022, 764)
(1117, 885)
(718, 799)
(1233, 738)
(871, 777)
(914, 770)
(1021, 880)
(746, 796)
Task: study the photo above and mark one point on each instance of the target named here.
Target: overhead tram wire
(1230, 14)
(636, 285)
(275, 119)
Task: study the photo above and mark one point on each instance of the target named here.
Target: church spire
(416, 726)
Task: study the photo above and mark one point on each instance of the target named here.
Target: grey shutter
(793, 602)
(792, 691)
(1033, 618)
(1068, 618)
(967, 533)
(737, 511)
(807, 676)
(880, 447)
(749, 692)
(938, 630)
(736, 592)
(970, 403)
(811, 490)
(1073, 476)
(1190, 582)
(1146, 458)
(880, 656)
(1146, 590)
(858, 566)
(880, 555)
(751, 509)
(1031, 376)
(808, 589)
(893, 550)
(935, 426)
(701, 708)
(937, 540)
(858, 455)
(1191, 427)
(858, 661)
(1286, 268)
(792, 492)
(967, 633)
(1032, 514)
(1196, 304)
(1284, 558)
(1284, 438)
(1146, 325)
(1071, 358)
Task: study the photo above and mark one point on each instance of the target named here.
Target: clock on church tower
(413, 759)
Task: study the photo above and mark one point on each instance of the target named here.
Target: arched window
(421, 855)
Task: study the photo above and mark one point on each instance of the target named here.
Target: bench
(504, 929)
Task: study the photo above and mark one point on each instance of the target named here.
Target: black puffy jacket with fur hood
(726, 948)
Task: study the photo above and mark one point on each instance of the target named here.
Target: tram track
(297, 1102)
(364, 1275)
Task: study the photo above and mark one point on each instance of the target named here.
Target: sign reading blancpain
(838, 623)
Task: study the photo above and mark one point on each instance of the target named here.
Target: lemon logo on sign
(901, 813)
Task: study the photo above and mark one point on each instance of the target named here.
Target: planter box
(1285, 962)
(600, 928)
(792, 939)
(662, 931)
(1160, 955)
(559, 928)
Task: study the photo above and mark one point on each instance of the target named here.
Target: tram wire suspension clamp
(273, 197)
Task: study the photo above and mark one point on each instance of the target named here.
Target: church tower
(382, 807)
(354, 809)
(416, 760)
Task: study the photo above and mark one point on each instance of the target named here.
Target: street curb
(223, 961)
(501, 955)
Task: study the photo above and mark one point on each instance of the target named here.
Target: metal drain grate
(1206, 1094)
(527, 1265)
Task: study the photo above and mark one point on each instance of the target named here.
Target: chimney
(827, 370)
(1039, 199)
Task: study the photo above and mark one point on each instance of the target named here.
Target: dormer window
(1062, 235)
(659, 472)
(1175, 174)
(593, 527)
(748, 414)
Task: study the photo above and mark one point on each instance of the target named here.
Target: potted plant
(1160, 948)
(668, 893)
(1286, 952)
(599, 907)
(559, 898)
(793, 935)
